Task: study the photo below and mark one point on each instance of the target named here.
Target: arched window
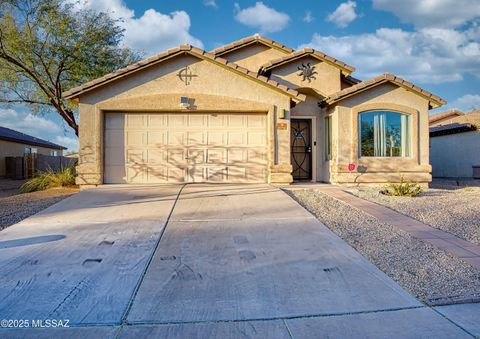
(384, 134)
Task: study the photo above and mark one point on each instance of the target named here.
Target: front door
(301, 149)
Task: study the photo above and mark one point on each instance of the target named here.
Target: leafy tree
(48, 46)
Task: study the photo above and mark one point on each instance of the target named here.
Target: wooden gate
(29, 164)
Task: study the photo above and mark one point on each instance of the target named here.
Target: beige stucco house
(17, 144)
(455, 144)
(251, 111)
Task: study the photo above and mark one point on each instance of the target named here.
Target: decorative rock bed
(18, 207)
(432, 275)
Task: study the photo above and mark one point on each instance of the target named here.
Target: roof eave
(461, 128)
(434, 101)
(76, 92)
(33, 143)
(345, 68)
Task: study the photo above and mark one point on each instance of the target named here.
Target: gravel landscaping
(454, 210)
(18, 207)
(430, 274)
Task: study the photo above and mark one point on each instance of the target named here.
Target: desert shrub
(402, 189)
(44, 180)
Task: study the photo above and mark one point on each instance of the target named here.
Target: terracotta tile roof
(248, 41)
(347, 69)
(464, 118)
(464, 122)
(435, 101)
(188, 49)
(444, 115)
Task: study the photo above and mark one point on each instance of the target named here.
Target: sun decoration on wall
(307, 72)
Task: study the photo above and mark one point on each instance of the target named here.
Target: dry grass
(49, 179)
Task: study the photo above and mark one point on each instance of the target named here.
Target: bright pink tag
(351, 167)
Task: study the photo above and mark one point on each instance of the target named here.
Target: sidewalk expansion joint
(304, 316)
(149, 261)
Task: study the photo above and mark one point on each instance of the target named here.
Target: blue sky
(435, 44)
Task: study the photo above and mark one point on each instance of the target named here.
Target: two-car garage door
(185, 147)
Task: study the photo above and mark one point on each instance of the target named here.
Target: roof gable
(434, 100)
(249, 41)
(345, 68)
(172, 53)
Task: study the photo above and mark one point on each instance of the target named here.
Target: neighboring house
(16, 144)
(251, 111)
(444, 118)
(455, 144)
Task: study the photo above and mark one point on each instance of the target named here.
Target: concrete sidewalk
(221, 261)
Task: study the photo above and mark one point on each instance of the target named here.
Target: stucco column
(280, 171)
(90, 163)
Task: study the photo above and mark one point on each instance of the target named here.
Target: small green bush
(402, 189)
(49, 179)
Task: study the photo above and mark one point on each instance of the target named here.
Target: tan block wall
(327, 79)
(254, 56)
(159, 89)
(377, 169)
(14, 149)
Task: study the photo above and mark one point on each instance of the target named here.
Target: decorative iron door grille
(301, 148)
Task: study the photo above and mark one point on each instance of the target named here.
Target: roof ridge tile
(247, 40)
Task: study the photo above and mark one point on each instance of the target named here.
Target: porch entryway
(301, 148)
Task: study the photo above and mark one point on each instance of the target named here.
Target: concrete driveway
(197, 261)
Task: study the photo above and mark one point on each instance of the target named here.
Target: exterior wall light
(184, 103)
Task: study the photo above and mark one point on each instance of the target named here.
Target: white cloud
(28, 123)
(430, 55)
(467, 103)
(7, 115)
(308, 18)
(153, 31)
(71, 143)
(266, 19)
(210, 3)
(432, 13)
(116, 8)
(344, 14)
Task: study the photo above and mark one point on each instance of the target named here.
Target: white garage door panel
(178, 147)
